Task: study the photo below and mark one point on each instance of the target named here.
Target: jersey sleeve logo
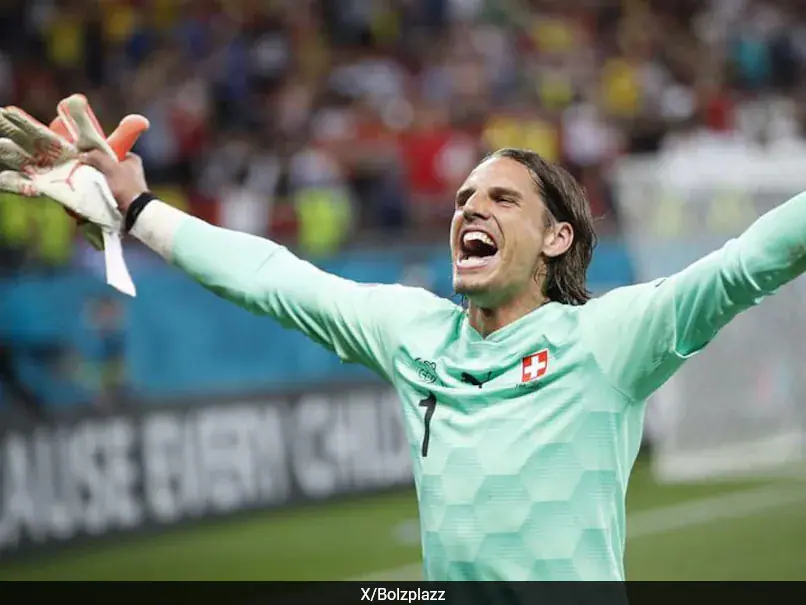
(426, 370)
(534, 366)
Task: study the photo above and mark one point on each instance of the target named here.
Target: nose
(477, 206)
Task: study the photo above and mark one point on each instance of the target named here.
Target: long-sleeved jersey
(522, 441)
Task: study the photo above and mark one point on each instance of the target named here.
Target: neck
(488, 320)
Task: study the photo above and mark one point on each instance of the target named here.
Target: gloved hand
(41, 162)
(118, 145)
(76, 129)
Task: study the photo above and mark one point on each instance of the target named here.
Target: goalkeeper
(524, 411)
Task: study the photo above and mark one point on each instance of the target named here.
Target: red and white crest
(534, 366)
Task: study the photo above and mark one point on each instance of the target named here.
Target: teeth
(473, 261)
(478, 236)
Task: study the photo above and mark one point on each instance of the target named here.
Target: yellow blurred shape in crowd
(65, 40)
(553, 35)
(120, 19)
(38, 223)
(165, 13)
(324, 216)
(555, 89)
(532, 133)
(385, 24)
(620, 88)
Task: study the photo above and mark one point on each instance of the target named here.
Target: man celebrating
(525, 427)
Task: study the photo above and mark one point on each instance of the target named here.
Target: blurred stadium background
(173, 436)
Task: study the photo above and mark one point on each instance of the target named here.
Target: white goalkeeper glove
(43, 163)
(88, 135)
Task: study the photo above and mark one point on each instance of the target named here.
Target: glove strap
(135, 208)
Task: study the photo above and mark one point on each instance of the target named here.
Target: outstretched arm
(641, 335)
(359, 322)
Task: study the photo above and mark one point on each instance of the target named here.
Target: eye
(503, 199)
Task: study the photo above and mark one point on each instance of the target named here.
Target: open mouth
(476, 249)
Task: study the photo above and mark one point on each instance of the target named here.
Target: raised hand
(44, 161)
(74, 130)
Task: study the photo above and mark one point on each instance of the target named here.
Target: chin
(473, 287)
(478, 281)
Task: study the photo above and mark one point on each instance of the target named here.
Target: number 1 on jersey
(430, 404)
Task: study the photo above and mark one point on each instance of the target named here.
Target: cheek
(526, 249)
(454, 228)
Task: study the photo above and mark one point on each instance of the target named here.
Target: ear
(558, 239)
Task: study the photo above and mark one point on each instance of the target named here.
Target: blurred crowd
(332, 123)
(323, 123)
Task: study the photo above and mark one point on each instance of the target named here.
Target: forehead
(502, 172)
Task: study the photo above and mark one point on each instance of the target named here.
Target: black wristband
(135, 208)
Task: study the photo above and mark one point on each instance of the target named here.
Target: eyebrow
(463, 194)
(505, 192)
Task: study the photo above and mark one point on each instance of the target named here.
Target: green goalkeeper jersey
(522, 441)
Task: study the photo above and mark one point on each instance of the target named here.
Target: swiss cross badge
(534, 366)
